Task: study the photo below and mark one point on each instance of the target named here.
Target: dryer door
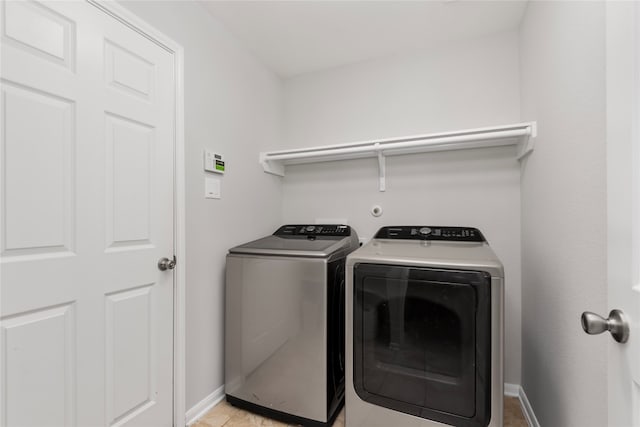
(422, 341)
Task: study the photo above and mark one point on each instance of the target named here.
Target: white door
(86, 193)
(623, 210)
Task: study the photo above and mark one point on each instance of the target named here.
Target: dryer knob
(311, 228)
(425, 231)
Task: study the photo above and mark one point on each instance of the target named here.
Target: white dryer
(424, 330)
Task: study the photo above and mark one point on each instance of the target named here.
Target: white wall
(456, 86)
(233, 105)
(564, 370)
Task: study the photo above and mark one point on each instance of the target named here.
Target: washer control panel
(430, 232)
(330, 230)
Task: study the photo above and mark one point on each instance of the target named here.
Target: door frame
(623, 205)
(128, 18)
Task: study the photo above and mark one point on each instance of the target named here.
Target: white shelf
(521, 135)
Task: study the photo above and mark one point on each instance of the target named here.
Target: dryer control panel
(431, 232)
(329, 230)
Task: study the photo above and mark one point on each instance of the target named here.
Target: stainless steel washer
(424, 330)
(284, 323)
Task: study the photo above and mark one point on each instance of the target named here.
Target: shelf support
(526, 145)
(273, 167)
(382, 168)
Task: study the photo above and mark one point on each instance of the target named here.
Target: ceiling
(295, 37)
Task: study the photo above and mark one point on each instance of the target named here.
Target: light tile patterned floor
(225, 415)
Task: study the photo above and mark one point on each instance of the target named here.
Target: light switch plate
(212, 188)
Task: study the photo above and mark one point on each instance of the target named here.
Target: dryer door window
(422, 341)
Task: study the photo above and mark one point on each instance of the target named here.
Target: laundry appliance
(285, 325)
(424, 330)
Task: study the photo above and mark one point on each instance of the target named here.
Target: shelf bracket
(526, 146)
(273, 167)
(382, 168)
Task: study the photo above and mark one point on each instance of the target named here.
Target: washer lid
(303, 242)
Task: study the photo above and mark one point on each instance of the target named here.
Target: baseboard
(515, 390)
(511, 390)
(202, 407)
(528, 410)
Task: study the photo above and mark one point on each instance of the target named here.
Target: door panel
(129, 146)
(87, 211)
(129, 326)
(129, 72)
(40, 31)
(29, 377)
(38, 214)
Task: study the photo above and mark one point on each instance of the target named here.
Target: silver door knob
(616, 323)
(167, 264)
